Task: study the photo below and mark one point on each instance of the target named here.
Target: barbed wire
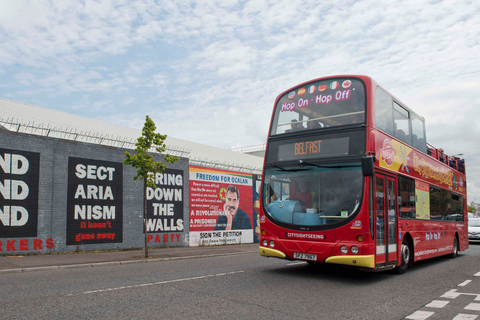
(120, 142)
(82, 136)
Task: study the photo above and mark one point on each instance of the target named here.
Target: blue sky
(209, 71)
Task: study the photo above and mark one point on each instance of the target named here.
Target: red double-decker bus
(349, 179)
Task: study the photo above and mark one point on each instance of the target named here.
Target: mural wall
(61, 195)
(221, 207)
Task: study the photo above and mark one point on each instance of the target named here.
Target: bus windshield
(326, 103)
(312, 194)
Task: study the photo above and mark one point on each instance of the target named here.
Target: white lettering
(92, 172)
(16, 167)
(14, 189)
(13, 216)
(288, 106)
(14, 163)
(322, 99)
(302, 103)
(89, 212)
(163, 209)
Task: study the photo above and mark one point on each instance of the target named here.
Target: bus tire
(455, 249)
(405, 257)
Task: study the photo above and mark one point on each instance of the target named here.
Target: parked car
(474, 229)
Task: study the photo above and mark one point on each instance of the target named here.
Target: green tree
(145, 164)
(472, 209)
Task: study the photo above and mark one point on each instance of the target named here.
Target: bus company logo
(388, 152)
(347, 84)
(334, 85)
(357, 224)
(291, 95)
(433, 236)
(322, 88)
(301, 92)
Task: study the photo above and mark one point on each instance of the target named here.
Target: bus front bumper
(269, 252)
(367, 261)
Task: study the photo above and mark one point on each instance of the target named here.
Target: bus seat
(400, 134)
(284, 210)
(306, 219)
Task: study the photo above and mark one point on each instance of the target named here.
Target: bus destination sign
(314, 149)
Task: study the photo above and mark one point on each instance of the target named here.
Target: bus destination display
(314, 149)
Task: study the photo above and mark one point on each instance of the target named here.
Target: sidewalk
(27, 263)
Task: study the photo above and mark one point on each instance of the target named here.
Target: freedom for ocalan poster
(221, 207)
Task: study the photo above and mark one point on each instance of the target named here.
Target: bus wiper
(288, 170)
(302, 163)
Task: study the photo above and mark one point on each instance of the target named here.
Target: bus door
(385, 220)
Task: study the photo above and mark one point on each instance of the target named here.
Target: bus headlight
(264, 242)
(344, 249)
(271, 244)
(354, 249)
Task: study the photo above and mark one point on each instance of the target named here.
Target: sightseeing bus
(349, 179)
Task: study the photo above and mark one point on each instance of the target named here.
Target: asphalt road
(246, 286)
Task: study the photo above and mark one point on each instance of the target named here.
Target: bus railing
(453, 161)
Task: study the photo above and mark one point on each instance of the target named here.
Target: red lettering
(157, 238)
(23, 244)
(11, 245)
(50, 243)
(37, 244)
(165, 238)
(149, 237)
(178, 236)
(1, 244)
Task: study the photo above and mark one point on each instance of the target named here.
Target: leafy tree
(145, 164)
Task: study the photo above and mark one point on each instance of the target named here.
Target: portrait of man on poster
(232, 218)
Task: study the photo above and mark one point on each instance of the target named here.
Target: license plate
(305, 256)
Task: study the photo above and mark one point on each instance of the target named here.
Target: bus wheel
(455, 249)
(405, 256)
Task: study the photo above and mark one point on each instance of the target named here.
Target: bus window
(327, 103)
(445, 205)
(383, 111)
(317, 196)
(402, 123)
(406, 198)
(418, 133)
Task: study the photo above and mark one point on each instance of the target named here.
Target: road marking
(420, 315)
(462, 316)
(452, 294)
(477, 274)
(464, 283)
(162, 282)
(473, 306)
(437, 304)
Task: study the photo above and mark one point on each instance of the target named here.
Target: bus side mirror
(367, 166)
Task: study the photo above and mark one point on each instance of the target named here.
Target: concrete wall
(60, 195)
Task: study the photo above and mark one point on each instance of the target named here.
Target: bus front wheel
(455, 249)
(405, 257)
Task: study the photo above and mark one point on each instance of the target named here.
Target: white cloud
(209, 71)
